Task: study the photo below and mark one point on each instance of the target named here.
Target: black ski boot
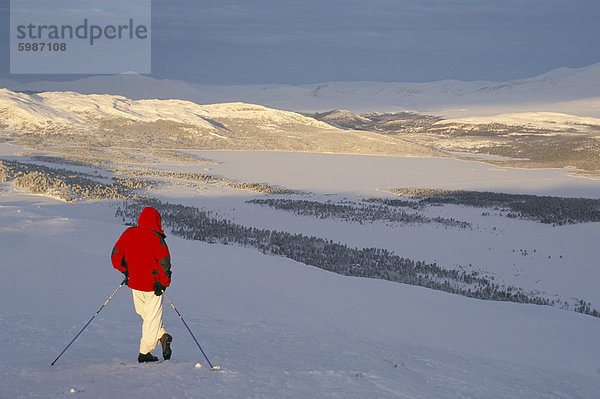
(165, 341)
(148, 357)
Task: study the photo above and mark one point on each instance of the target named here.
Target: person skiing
(142, 255)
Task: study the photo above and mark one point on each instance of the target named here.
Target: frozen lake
(368, 175)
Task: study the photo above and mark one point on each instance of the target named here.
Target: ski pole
(94, 316)
(213, 368)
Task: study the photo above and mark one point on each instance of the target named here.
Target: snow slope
(278, 328)
(70, 109)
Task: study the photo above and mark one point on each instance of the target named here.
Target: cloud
(293, 41)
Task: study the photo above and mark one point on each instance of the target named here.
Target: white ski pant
(149, 307)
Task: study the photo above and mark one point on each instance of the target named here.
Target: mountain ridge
(45, 120)
(546, 92)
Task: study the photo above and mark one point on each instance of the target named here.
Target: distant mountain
(575, 91)
(562, 83)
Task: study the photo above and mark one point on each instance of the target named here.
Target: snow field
(557, 260)
(278, 328)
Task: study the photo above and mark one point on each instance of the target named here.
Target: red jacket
(143, 253)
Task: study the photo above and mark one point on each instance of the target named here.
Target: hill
(49, 120)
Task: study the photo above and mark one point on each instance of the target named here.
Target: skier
(142, 255)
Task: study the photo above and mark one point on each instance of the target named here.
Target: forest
(196, 224)
(544, 209)
(352, 212)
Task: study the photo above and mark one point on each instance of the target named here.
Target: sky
(311, 41)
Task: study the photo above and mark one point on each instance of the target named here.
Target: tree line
(357, 213)
(195, 224)
(544, 209)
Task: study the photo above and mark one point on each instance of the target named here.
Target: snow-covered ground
(276, 327)
(282, 329)
(527, 254)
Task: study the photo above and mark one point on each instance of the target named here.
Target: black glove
(126, 277)
(159, 288)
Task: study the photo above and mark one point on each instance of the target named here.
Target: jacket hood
(150, 219)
